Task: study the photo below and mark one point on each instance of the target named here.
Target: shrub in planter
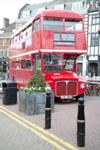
(35, 94)
(37, 83)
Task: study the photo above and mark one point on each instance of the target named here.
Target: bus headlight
(82, 85)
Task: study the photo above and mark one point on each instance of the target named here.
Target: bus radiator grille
(61, 88)
(72, 88)
(66, 88)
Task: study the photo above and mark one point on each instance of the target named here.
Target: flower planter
(26, 102)
(33, 103)
(40, 102)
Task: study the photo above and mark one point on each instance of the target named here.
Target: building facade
(5, 35)
(93, 55)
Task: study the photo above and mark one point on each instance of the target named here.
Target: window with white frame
(26, 13)
(94, 39)
(95, 18)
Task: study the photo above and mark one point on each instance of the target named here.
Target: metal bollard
(48, 111)
(81, 123)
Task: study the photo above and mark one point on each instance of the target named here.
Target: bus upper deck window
(36, 25)
(53, 24)
(73, 25)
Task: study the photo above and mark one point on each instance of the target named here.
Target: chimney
(5, 23)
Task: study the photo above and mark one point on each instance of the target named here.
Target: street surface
(14, 137)
(18, 135)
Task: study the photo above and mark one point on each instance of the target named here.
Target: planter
(26, 102)
(33, 103)
(40, 102)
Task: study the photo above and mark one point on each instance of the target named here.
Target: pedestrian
(4, 69)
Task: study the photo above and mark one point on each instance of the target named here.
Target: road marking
(57, 146)
(28, 123)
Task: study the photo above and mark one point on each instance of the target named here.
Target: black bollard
(48, 111)
(81, 123)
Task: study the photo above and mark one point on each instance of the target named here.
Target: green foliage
(36, 83)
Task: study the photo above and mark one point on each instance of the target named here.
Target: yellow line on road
(66, 144)
(57, 146)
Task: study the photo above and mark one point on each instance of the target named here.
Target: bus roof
(51, 13)
(60, 13)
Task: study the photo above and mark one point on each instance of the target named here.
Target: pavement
(19, 131)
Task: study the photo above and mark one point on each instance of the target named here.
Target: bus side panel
(36, 41)
(81, 41)
(47, 40)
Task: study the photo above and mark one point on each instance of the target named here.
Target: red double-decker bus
(51, 41)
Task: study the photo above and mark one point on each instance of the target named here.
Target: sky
(10, 8)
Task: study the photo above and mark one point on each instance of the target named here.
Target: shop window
(37, 25)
